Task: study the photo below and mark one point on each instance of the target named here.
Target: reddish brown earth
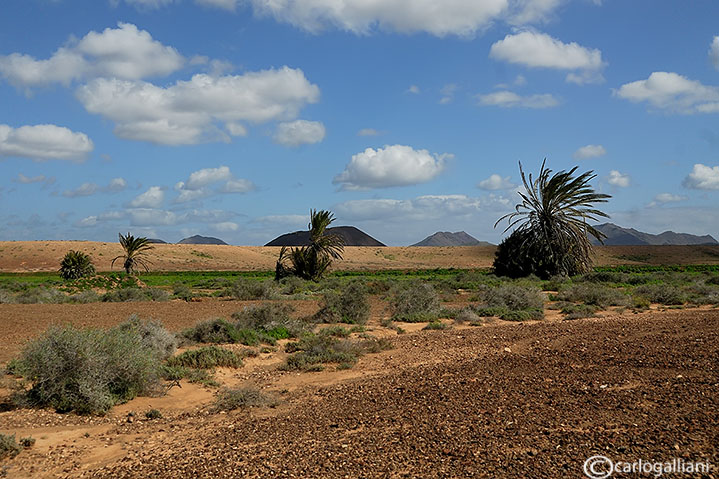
(515, 400)
(33, 256)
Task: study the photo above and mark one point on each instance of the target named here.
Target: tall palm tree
(552, 234)
(312, 260)
(135, 253)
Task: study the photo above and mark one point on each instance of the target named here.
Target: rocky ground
(508, 400)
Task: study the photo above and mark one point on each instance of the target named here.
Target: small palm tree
(75, 265)
(135, 253)
(552, 234)
(311, 261)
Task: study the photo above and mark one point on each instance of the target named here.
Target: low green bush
(8, 446)
(206, 357)
(270, 319)
(239, 398)
(351, 305)
(661, 293)
(514, 297)
(594, 294)
(90, 370)
(245, 289)
(416, 302)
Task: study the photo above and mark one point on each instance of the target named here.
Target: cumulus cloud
(539, 50)
(282, 220)
(589, 151)
(368, 132)
(87, 189)
(672, 92)
(714, 52)
(530, 11)
(225, 227)
(299, 132)
(152, 198)
(413, 89)
(664, 198)
(198, 184)
(145, 4)
(124, 53)
(44, 142)
(450, 17)
(395, 165)
(25, 180)
(703, 177)
(229, 5)
(447, 93)
(508, 99)
(188, 112)
(496, 182)
(618, 179)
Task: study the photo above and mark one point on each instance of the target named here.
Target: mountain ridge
(619, 236)
(353, 237)
(447, 238)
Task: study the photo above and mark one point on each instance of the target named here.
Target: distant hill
(618, 236)
(351, 235)
(197, 239)
(156, 241)
(445, 238)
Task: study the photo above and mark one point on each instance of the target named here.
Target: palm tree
(552, 234)
(135, 253)
(311, 261)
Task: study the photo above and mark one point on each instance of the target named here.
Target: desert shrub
(594, 294)
(661, 293)
(6, 297)
(336, 331)
(271, 319)
(197, 376)
(247, 289)
(182, 291)
(153, 414)
(8, 446)
(41, 295)
(318, 349)
(522, 315)
(206, 357)
(375, 345)
(292, 285)
(703, 293)
(89, 370)
(466, 315)
(123, 295)
(75, 265)
(416, 302)
(436, 325)
(216, 331)
(486, 311)
(603, 277)
(577, 311)
(714, 279)
(157, 294)
(27, 442)
(514, 297)
(153, 335)
(555, 283)
(350, 306)
(84, 297)
(238, 398)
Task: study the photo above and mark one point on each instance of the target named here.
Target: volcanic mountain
(618, 236)
(351, 235)
(445, 238)
(197, 239)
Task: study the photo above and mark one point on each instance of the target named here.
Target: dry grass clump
(243, 397)
(416, 302)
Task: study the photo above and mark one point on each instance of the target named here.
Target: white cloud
(207, 176)
(449, 17)
(496, 182)
(226, 227)
(145, 4)
(299, 132)
(152, 198)
(672, 92)
(368, 132)
(714, 52)
(30, 179)
(85, 189)
(236, 129)
(447, 93)
(589, 151)
(124, 53)
(508, 99)
(188, 111)
(531, 11)
(197, 185)
(237, 186)
(703, 177)
(414, 89)
(618, 179)
(539, 50)
(44, 142)
(229, 5)
(395, 165)
(664, 198)
(282, 220)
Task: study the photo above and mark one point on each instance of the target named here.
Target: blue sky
(232, 118)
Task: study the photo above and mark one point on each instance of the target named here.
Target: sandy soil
(508, 400)
(30, 256)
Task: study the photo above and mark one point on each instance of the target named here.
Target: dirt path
(502, 400)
